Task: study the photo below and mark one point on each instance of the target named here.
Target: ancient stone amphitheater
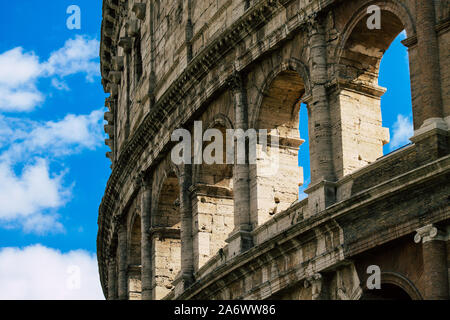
(229, 231)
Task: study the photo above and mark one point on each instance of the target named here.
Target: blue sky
(53, 168)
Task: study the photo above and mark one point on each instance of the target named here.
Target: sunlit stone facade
(227, 231)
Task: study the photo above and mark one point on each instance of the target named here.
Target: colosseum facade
(229, 231)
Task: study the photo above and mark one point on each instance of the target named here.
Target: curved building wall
(238, 230)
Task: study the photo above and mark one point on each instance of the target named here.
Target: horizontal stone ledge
(208, 190)
(367, 89)
(165, 232)
(134, 268)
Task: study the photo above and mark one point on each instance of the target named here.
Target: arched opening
(303, 154)
(388, 291)
(134, 261)
(166, 242)
(396, 106)
(276, 176)
(357, 103)
(213, 203)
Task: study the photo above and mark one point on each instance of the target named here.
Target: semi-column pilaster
(112, 279)
(431, 134)
(322, 167)
(186, 234)
(146, 241)
(122, 251)
(434, 255)
(321, 190)
(429, 60)
(241, 239)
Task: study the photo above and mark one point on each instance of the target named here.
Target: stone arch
(393, 6)
(134, 239)
(394, 286)
(403, 282)
(398, 18)
(212, 200)
(165, 229)
(223, 123)
(356, 98)
(134, 257)
(167, 196)
(276, 175)
(387, 292)
(166, 172)
(292, 64)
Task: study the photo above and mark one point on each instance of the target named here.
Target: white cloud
(18, 67)
(30, 199)
(77, 56)
(24, 198)
(38, 272)
(402, 130)
(70, 135)
(20, 72)
(42, 224)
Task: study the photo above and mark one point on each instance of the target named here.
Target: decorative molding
(316, 283)
(235, 82)
(139, 9)
(141, 181)
(126, 43)
(429, 233)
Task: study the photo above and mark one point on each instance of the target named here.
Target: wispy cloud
(402, 130)
(68, 136)
(60, 84)
(20, 72)
(38, 272)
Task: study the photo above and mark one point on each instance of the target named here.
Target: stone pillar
(321, 191)
(429, 60)
(112, 279)
(241, 239)
(434, 254)
(187, 248)
(146, 241)
(321, 152)
(123, 265)
(431, 129)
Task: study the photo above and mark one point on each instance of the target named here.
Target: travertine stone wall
(166, 263)
(213, 221)
(239, 231)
